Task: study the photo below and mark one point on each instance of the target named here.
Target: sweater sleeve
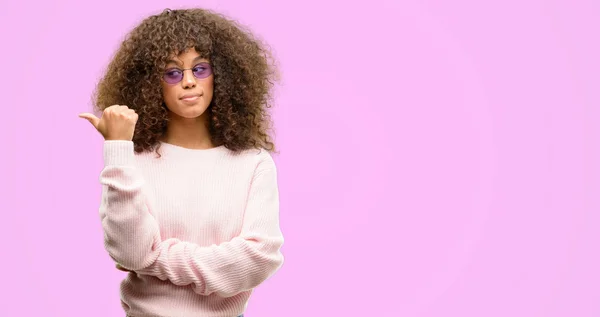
(130, 231)
(237, 265)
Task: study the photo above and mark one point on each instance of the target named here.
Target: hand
(117, 122)
(119, 267)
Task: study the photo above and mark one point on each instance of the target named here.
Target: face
(187, 85)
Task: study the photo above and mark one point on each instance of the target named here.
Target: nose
(188, 81)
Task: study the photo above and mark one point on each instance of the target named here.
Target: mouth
(190, 97)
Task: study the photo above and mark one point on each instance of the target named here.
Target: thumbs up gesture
(116, 123)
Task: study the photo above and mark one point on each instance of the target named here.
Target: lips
(190, 97)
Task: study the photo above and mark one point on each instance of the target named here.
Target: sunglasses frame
(206, 65)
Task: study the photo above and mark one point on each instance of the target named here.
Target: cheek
(168, 93)
(208, 87)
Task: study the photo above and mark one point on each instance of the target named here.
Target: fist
(116, 123)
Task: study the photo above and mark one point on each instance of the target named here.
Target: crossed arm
(132, 236)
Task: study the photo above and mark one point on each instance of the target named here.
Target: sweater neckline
(176, 149)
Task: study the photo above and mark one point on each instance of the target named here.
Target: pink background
(438, 158)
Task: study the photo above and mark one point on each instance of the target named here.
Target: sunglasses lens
(202, 70)
(173, 76)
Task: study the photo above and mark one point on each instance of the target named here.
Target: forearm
(227, 269)
(130, 231)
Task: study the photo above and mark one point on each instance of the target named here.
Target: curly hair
(243, 67)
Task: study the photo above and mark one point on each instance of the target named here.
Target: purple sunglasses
(174, 75)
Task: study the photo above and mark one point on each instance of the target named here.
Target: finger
(91, 118)
(122, 110)
(128, 113)
(115, 109)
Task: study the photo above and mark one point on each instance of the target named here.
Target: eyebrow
(171, 61)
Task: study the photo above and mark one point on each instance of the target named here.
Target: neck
(188, 132)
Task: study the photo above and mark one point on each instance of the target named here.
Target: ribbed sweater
(198, 229)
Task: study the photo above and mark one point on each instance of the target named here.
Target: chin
(191, 113)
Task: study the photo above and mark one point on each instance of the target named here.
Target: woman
(190, 202)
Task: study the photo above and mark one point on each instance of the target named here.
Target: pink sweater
(198, 228)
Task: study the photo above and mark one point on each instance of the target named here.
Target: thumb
(91, 118)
